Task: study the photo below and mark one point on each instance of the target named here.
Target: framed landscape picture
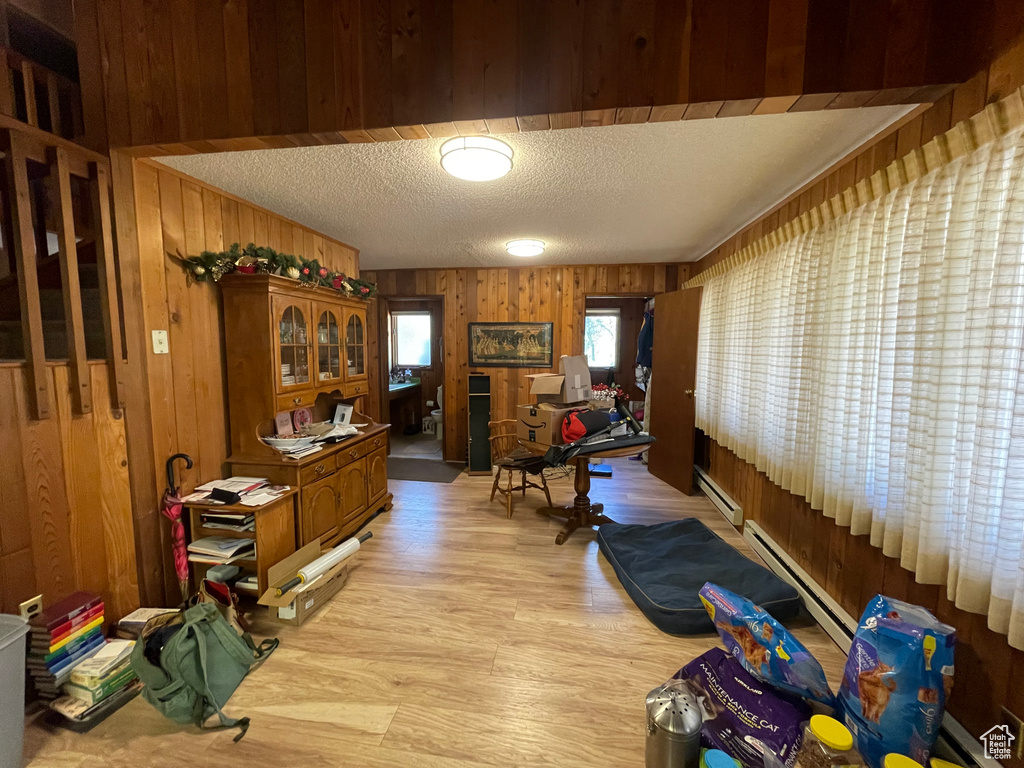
(511, 345)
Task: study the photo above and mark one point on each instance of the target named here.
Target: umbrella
(172, 511)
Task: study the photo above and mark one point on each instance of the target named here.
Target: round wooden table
(582, 512)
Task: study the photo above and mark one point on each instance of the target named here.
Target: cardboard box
(576, 371)
(546, 387)
(541, 422)
(299, 604)
(571, 385)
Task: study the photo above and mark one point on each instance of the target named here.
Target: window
(873, 365)
(601, 338)
(410, 333)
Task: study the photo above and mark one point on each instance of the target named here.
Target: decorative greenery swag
(255, 259)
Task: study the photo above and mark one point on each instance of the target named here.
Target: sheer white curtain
(874, 366)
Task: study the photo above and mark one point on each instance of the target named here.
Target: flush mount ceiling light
(476, 158)
(525, 247)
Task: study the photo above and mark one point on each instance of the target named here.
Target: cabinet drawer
(361, 449)
(297, 400)
(351, 453)
(314, 472)
(357, 388)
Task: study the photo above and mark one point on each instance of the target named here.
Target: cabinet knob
(320, 469)
(353, 453)
(297, 400)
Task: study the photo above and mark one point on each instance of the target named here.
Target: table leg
(582, 512)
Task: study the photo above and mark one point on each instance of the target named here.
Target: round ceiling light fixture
(524, 247)
(476, 158)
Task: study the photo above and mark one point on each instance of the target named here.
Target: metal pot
(673, 727)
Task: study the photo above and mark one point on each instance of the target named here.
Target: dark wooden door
(674, 372)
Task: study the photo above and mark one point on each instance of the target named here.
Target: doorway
(611, 331)
(412, 337)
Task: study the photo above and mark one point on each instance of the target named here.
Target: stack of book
(228, 521)
(131, 626)
(98, 686)
(64, 635)
(221, 549)
(106, 673)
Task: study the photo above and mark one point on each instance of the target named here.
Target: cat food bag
(741, 715)
(764, 647)
(898, 676)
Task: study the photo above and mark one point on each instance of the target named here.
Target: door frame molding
(383, 358)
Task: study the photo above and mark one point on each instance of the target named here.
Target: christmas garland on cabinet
(253, 259)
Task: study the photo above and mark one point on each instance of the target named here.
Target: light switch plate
(160, 346)
(31, 608)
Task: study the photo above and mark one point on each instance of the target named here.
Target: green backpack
(200, 666)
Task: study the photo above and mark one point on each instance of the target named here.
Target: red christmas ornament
(337, 282)
(364, 289)
(305, 270)
(323, 271)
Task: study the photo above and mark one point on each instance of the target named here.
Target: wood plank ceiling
(296, 72)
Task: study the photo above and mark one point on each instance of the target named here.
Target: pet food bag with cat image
(898, 676)
(741, 715)
(764, 647)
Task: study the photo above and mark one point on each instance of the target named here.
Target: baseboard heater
(729, 508)
(955, 742)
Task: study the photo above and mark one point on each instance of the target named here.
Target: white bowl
(287, 442)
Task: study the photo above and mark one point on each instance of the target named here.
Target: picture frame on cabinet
(283, 424)
(343, 414)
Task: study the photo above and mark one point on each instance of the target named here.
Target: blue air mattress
(663, 566)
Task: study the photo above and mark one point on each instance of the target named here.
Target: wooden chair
(510, 457)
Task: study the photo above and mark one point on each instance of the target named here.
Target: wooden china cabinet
(290, 347)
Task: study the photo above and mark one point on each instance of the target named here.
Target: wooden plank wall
(200, 74)
(175, 213)
(525, 294)
(65, 510)
(989, 673)
(1004, 75)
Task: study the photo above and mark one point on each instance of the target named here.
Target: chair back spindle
(503, 438)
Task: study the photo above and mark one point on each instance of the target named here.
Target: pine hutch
(292, 346)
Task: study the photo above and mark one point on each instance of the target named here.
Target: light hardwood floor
(463, 639)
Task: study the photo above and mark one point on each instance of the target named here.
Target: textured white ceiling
(618, 194)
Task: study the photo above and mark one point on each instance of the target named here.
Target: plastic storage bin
(12, 689)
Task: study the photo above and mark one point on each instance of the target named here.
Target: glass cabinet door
(293, 343)
(328, 347)
(355, 347)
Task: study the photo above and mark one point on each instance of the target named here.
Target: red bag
(583, 422)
